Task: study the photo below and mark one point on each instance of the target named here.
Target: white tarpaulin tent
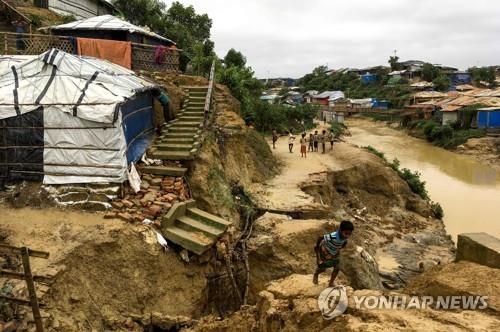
(107, 23)
(71, 119)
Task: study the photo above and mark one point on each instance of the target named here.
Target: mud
(290, 304)
(113, 276)
(484, 149)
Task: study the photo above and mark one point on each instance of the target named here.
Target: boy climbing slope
(328, 250)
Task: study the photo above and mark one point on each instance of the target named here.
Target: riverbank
(485, 149)
(394, 225)
(467, 189)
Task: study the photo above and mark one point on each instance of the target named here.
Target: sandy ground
(283, 193)
(55, 231)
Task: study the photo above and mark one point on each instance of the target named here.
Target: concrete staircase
(179, 139)
(192, 228)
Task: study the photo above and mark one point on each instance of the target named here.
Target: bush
(415, 182)
(413, 179)
(283, 117)
(437, 210)
(375, 152)
(338, 129)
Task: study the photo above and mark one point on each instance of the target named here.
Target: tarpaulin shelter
(70, 119)
(109, 27)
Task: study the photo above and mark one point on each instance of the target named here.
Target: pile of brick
(157, 195)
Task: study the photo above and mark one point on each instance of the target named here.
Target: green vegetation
(190, 30)
(68, 18)
(352, 86)
(283, 117)
(448, 136)
(338, 129)
(416, 184)
(413, 179)
(483, 74)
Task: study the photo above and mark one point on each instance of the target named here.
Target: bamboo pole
(25, 253)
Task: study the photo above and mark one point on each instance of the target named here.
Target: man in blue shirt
(328, 248)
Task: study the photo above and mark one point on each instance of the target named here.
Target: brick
(110, 215)
(127, 203)
(156, 181)
(125, 216)
(117, 205)
(155, 210)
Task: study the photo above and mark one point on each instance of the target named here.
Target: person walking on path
(303, 149)
(311, 143)
(331, 138)
(291, 139)
(275, 138)
(315, 137)
(322, 139)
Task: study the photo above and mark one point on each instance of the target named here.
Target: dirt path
(283, 193)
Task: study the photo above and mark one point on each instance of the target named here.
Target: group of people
(308, 144)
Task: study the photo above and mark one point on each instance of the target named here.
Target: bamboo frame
(27, 275)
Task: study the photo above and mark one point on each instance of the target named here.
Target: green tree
(442, 83)
(143, 12)
(235, 58)
(430, 72)
(483, 74)
(394, 62)
(179, 23)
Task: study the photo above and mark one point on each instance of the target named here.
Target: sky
(289, 38)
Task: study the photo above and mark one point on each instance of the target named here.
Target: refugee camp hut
(112, 28)
(488, 118)
(70, 119)
(145, 49)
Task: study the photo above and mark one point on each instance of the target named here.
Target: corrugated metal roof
(108, 22)
(430, 94)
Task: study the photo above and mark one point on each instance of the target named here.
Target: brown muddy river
(468, 190)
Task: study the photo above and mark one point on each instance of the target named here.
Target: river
(468, 191)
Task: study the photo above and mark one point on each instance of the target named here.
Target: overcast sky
(291, 37)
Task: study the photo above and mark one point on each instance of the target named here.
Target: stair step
(172, 155)
(167, 140)
(198, 113)
(190, 224)
(173, 147)
(163, 170)
(180, 135)
(196, 88)
(196, 242)
(199, 98)
(191, 118)
(179, 129)
(208, 218)
(185, 123)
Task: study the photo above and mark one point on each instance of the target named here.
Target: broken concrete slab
(479, 248)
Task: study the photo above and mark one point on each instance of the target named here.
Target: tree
(143, 12)
(235, 58)
(179, 23)
(483, 74)
(430, 72)
(442, 83)
(394, 62)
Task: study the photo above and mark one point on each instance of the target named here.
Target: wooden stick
(21, 276)
(18, 251)
(25, 253)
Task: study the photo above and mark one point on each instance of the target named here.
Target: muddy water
(468, 191)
